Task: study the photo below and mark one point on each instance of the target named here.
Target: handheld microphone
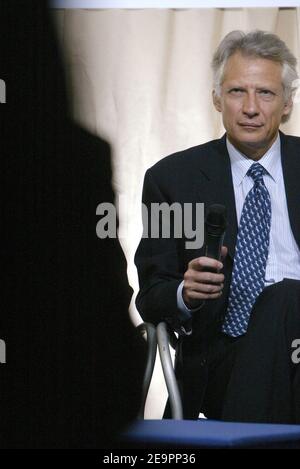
(214, 231)
(215, 226)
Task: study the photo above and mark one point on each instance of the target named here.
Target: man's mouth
(250, 125)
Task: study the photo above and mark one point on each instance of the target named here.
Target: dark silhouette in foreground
(74, 362)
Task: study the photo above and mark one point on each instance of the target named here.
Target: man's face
(252, 103)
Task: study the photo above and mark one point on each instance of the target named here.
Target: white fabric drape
(142, 80)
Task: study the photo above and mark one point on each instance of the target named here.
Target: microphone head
(216, 219)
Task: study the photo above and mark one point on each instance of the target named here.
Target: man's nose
(250, 105)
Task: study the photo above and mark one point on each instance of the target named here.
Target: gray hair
(257, 44)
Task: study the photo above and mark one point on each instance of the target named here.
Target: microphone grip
(213, 247)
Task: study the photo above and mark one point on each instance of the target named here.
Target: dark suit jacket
(199, 174)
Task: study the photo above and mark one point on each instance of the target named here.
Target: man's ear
(216, 101)
(288, 107)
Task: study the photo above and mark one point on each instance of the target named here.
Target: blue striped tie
(251, 254)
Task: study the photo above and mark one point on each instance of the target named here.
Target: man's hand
(200, 285)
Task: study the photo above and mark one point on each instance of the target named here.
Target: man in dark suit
(238, 323)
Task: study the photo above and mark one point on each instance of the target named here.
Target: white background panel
(172, 3)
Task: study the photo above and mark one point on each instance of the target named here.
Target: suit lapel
(291, 172)
(217, 169)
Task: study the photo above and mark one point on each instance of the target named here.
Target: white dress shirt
(284, 255)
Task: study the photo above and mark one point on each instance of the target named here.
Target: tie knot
(256, 171)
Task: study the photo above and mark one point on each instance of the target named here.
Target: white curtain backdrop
(142, 80)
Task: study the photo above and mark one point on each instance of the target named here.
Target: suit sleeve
(157, 262)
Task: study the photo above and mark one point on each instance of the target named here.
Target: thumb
(224, 251)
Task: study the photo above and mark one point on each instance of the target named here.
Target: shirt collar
(240, 163)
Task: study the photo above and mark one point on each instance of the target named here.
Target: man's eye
(266, 92)
(236, 91)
